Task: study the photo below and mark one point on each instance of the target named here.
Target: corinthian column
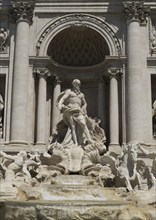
(136, 14)
(114, 108)
(42, 74)
(23, 14)
(56, 92)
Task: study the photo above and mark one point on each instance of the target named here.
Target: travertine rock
(79, 210)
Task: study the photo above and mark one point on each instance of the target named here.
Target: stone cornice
(136, 11)
(22, 11)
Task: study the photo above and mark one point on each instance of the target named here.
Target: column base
(40, 143)
(15, 148)
(18, 142)
(114, 149)
(41, 147)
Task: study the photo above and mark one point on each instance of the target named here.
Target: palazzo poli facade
(109, 45)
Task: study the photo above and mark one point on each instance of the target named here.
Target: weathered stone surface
(18, 212)
(31, 193)
(65, 210)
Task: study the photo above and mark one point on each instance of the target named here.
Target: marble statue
(17, 165)
(150, 173)
(128, 168)
(73, 106)
(1, 115)
(76, 134)
(76, 166)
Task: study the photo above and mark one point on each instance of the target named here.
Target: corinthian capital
(22, 11)
(136, 10)
(41, 73)
(114, 72)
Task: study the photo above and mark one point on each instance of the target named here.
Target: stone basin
(72, 197)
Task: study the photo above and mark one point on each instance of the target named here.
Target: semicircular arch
(96, 23)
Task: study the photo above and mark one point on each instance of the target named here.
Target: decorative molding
(56, 79)
(136, 10)
(22, 11)
(152, 38)
(41, 73)
(114, 72)
(103, 78)
(79, 20)
(3, 37)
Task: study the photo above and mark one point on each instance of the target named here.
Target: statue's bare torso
(74, 100)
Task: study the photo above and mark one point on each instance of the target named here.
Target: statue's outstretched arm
(7, 156)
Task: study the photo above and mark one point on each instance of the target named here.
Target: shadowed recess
(78, 46)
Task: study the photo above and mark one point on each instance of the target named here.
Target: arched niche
(95, 23)
(78, 46)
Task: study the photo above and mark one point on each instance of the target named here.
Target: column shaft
(19, 98)
(41, 111)
(147, 119)
(134, 84)
(136, 14)
(114, 112)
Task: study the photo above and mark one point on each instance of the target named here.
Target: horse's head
(132, 152)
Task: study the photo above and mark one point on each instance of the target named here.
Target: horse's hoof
(129, 190)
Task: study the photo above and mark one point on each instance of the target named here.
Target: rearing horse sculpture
(128, 167)
(125, 168)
